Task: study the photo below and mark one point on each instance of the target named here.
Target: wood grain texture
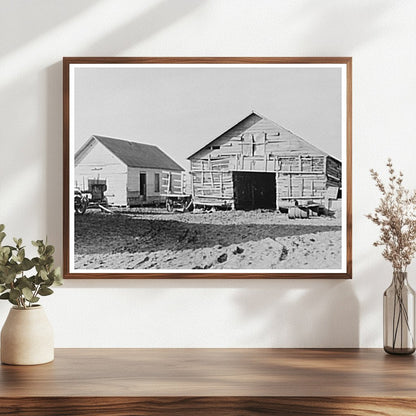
(67, 61)
(212, 381)
(207, 406)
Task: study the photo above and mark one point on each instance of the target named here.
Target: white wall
(380, 35)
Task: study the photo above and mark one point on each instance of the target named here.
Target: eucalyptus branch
(16, 284)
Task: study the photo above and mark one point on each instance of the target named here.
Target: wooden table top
(214, 372)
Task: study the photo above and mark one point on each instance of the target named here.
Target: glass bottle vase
(399, 316)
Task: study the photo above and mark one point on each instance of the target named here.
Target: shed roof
(250, 120)
(134, 154)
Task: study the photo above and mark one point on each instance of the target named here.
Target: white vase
(27, 337)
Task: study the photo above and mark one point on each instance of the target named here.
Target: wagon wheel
(189, 206)
(81, 207)
(169, 205)
(186, 205)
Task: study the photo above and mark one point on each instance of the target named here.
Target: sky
(182, 109)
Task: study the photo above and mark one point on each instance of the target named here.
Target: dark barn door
(254, 190)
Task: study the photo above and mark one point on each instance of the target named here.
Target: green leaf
(49, 250)
(2, 236)
(8, 277)
(15, 293)
(21, 254)
(11, 248)
(18, 242)
(5, 254)
(57, 276)
(7, 296)
(45, 260)
(37, 243)
(5, 250)
(24, 282)
(2, 227)
(45, 291)
(48, 282)
(27, 293)
(26, 264)
(43, 275)
(13, 302)
(38, 280)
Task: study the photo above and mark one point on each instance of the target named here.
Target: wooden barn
(260, 164)
(131, 173)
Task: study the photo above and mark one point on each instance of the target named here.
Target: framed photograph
(207, 168)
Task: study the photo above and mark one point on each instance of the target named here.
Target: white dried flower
(396, 217)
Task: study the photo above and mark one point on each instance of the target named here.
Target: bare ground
(155, 239)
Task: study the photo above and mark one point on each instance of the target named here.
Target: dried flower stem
(396, 217)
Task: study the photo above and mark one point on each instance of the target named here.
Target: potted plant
(27, 336)
(396, 217)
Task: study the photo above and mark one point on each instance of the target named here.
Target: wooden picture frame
(111, 103)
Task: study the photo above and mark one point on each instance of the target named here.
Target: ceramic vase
(27, 337)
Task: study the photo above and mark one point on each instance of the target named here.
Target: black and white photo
(207, 168)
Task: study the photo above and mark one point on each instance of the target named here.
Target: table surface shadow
(208, 373)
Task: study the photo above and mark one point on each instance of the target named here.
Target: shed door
(254, 190)
(143, 186)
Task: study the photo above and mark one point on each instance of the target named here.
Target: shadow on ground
(118, 233)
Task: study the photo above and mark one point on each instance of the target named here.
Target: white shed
(131, 171)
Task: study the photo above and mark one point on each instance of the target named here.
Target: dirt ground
(151, 238)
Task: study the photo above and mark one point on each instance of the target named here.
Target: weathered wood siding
(100, 163)
(176, 183)
(301, 177)
(212, 182)
(256, 140)
(259, 145)
(333, 172)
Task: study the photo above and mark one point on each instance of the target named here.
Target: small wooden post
(221, 190)
(182, 183)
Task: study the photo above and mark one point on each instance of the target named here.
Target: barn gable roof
(248, 122)
(133, 154)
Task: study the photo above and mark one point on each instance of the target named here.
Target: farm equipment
(96, 190)
(174, 187)
(80, 202)
(92, 198)
(179, 202)
(304, 208)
